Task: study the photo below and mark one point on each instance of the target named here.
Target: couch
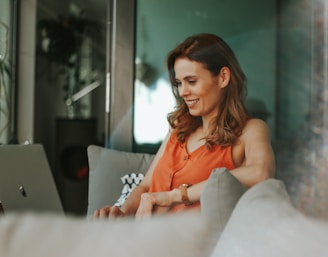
(233, 221)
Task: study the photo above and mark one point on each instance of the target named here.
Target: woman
(210, 128)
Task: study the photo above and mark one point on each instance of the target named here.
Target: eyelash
(191, 82)
(177, 84)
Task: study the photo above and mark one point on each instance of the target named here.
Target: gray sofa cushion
(219, 198)
(264, 223)
(36, 235)
(106, 167)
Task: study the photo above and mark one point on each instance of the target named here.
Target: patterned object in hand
(130, 181)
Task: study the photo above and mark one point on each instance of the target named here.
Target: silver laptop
(26, 181)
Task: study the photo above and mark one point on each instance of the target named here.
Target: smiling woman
(210, 81)
(209, 128)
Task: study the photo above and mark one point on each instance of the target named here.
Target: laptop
(26, 181)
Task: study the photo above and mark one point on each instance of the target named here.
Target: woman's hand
(156, 202)
(108, 212)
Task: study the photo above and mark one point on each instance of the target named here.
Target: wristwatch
(184, 194)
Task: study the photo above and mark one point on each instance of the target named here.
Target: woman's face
(199, 88)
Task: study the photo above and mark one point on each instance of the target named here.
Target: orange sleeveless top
(177, 167)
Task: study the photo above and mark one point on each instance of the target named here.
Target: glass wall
(70, 90)
(250, 30)
(282, 47)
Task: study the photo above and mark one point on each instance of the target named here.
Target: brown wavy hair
(214, 53)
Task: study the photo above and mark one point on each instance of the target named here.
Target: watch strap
(184, 194)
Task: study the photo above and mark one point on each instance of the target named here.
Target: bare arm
(259, 161)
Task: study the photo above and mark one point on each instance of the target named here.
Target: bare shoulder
(255, 128)
(254, 141)
(255, 125)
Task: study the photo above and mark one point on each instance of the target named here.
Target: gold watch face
(185, 185)
(184, 195)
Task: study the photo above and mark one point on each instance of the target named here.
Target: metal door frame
(120, 74)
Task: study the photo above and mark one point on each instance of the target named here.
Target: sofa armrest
(106, 167)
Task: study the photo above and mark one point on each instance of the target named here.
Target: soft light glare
(150, 111)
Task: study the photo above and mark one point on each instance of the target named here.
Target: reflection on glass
(153, 100)
(4, 104)
(68, 41)
(161, 25)
(3, 41)
(285, 59)
(6, 71)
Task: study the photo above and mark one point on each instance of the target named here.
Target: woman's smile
(191, 103)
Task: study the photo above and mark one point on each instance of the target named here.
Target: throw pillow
(130, 181)
(219, 198)
(106, 167)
